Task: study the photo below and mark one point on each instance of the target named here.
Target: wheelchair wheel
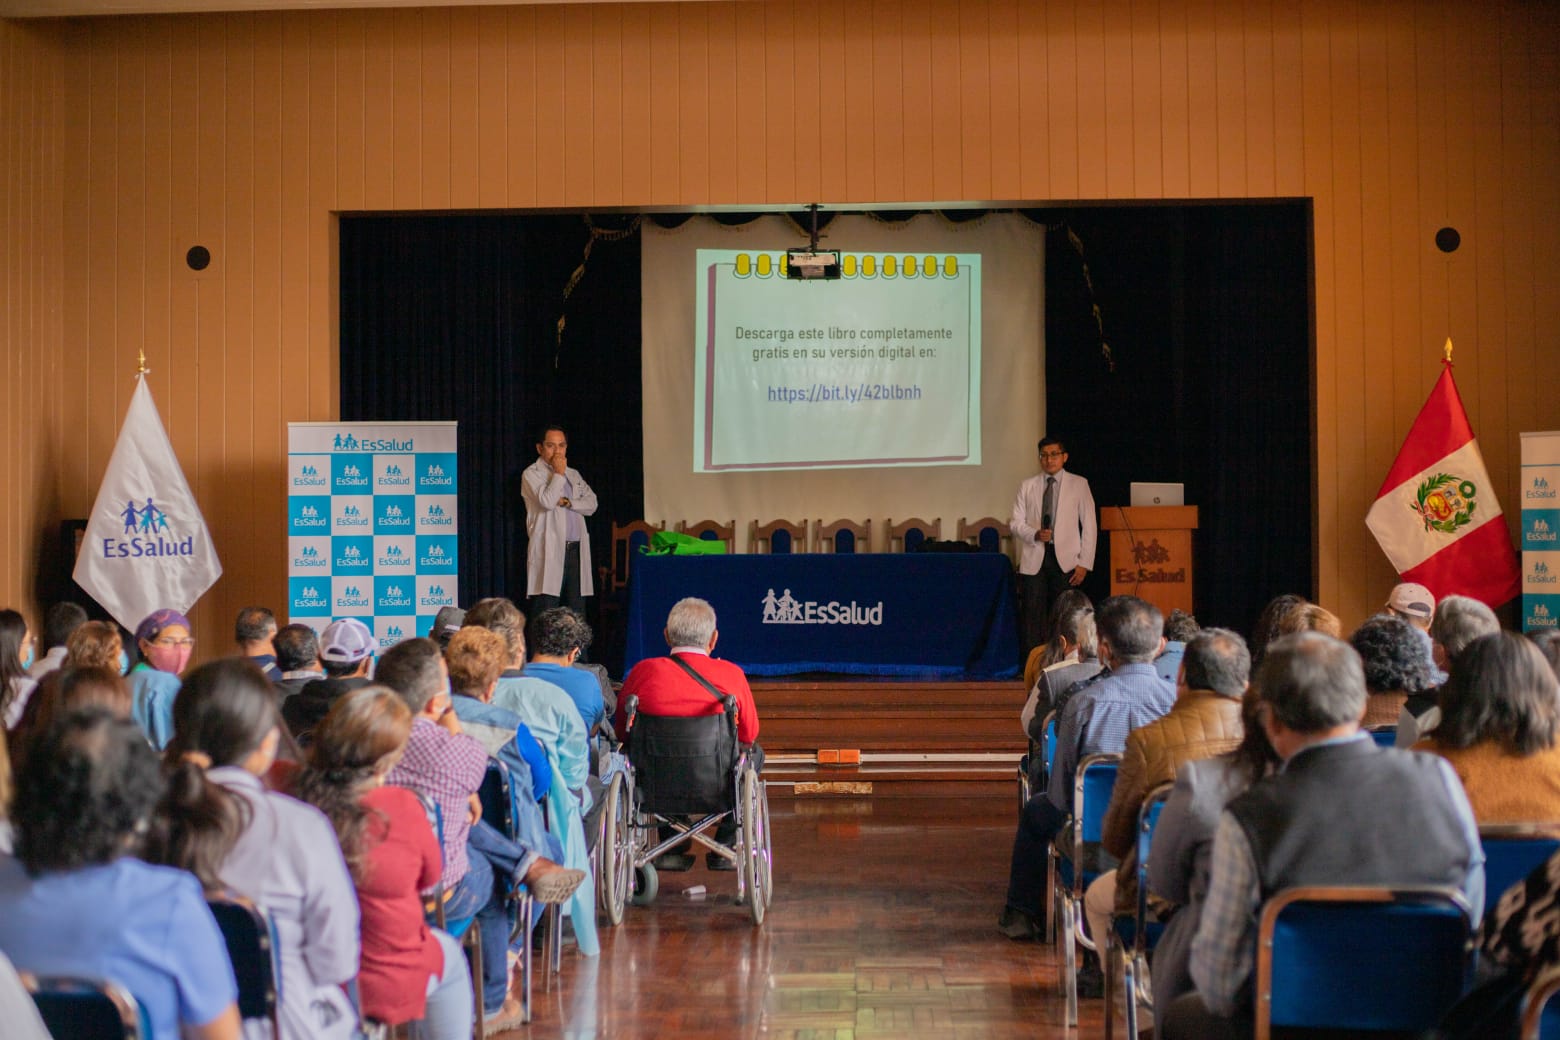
(646, 885)
(756, 866)
(615, 859)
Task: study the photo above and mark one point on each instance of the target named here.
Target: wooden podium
(1151, 553)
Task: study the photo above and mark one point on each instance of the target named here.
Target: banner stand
(1540, 530)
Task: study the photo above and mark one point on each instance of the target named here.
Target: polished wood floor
(883, 925)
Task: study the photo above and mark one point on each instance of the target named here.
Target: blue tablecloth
(872, 614)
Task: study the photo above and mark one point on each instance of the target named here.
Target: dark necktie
(1048, 503)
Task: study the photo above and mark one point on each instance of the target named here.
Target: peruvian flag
(1436, 516)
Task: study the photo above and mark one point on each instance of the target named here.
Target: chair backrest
(87, 1009)
(712, 531)
(1092, 787)
(626, 542)
(778, 537)
(1360, 958)
(497, 797)
(1148, 819)
(252, 949)
(1512, 851)
(1048, 730)
(1540, 1013)
(909, 534)
(988, 534)
(1384, 736)
(684, 765)
(843, 536)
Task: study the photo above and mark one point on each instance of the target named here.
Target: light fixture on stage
(812, 263)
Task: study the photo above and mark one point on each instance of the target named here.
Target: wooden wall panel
(249, 133)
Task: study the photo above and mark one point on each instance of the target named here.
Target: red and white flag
(1436, 515)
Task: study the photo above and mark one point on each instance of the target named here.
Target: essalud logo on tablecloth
(146, 534)
(787, 610)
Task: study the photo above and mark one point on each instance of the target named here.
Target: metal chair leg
(1129, 985)
(1108, 963)
(1069, 964)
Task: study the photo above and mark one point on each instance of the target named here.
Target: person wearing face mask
(166, 644)
(16, 657)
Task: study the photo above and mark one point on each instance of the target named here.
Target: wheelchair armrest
(630, 710)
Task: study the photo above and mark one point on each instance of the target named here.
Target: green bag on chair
(675, 543)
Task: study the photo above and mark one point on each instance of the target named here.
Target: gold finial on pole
(1448, 350)
(141, 368)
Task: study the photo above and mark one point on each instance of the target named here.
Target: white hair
(690, 623)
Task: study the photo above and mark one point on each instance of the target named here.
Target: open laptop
(1158, 494)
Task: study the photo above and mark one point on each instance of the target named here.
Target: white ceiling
(64, 8)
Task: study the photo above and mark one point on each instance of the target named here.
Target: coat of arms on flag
(1436, 515)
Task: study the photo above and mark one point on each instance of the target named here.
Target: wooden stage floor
(883, 925)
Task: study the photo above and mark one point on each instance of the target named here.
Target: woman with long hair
(281, 853)
(408, 970)
(16, 656)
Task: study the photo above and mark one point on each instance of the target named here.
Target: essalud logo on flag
(146, 545)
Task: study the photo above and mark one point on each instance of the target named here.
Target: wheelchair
(679, 768)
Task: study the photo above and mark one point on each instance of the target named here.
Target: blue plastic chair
(1361, 958)
(1512, 851)
(463, 930)
(1070, 876)
(497, 795)
(88, 1009)
(1384, 736)
(250, 935)
(1132, 938)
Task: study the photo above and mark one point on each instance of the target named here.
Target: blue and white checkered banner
(371, 525)
(1540, 530)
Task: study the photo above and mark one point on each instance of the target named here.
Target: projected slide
(878, 368)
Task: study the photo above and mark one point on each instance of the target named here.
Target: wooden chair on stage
(988, 534)
(612, 579)
(843, 536)
(909, 534)
(777, 537)
(712, 531)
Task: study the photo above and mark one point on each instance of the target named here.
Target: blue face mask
(124, 663)
(27, 658)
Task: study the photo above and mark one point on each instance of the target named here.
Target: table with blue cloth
(895, 614)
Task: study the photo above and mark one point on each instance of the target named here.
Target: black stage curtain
(1207, 313)
(456, 317)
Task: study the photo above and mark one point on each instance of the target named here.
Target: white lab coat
(547, 525)
(1073, 527)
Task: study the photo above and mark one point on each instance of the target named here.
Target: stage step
(894, 776)
(930, 716)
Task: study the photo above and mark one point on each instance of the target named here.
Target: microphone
(1045, 521)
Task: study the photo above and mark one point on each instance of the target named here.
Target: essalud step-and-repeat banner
(1540, 530)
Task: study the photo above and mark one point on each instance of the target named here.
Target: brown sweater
(1502, 787)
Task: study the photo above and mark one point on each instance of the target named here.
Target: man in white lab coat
(1054, 524)
(557, 501)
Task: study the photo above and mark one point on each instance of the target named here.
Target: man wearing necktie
(1054, 522)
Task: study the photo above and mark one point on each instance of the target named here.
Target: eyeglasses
(187, 641)
(1052, 454)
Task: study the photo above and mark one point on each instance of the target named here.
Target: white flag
(146, 545)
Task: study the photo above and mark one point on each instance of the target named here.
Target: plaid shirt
(448, 769)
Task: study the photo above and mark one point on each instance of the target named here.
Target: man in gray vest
(1340, 811)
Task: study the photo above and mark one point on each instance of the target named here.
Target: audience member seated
(75, 900)
(1413, 603)
(1180, 859)
(475, 657)
(1500, 720)
(1068, 637)
(689, 682)
(253, 631)
(1308, 617)
(96, 644)
(272, 849)
(1060, 681)
(59, 621)
(298, 657)
(16, 657)
(1266, 628)
(17, 1010)
(1341, 811)
(1397, 663)
(1204, 722)
(1054, 650)
(1180, 628)
(557, 637)
(1458, 621)
(60, 693)
(1096, 720)
(408, 970)
(346, 652)
(1548, 642)
(481, 866)
(1519, 940)
(165, 643)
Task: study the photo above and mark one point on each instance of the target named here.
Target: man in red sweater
(665, 688)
